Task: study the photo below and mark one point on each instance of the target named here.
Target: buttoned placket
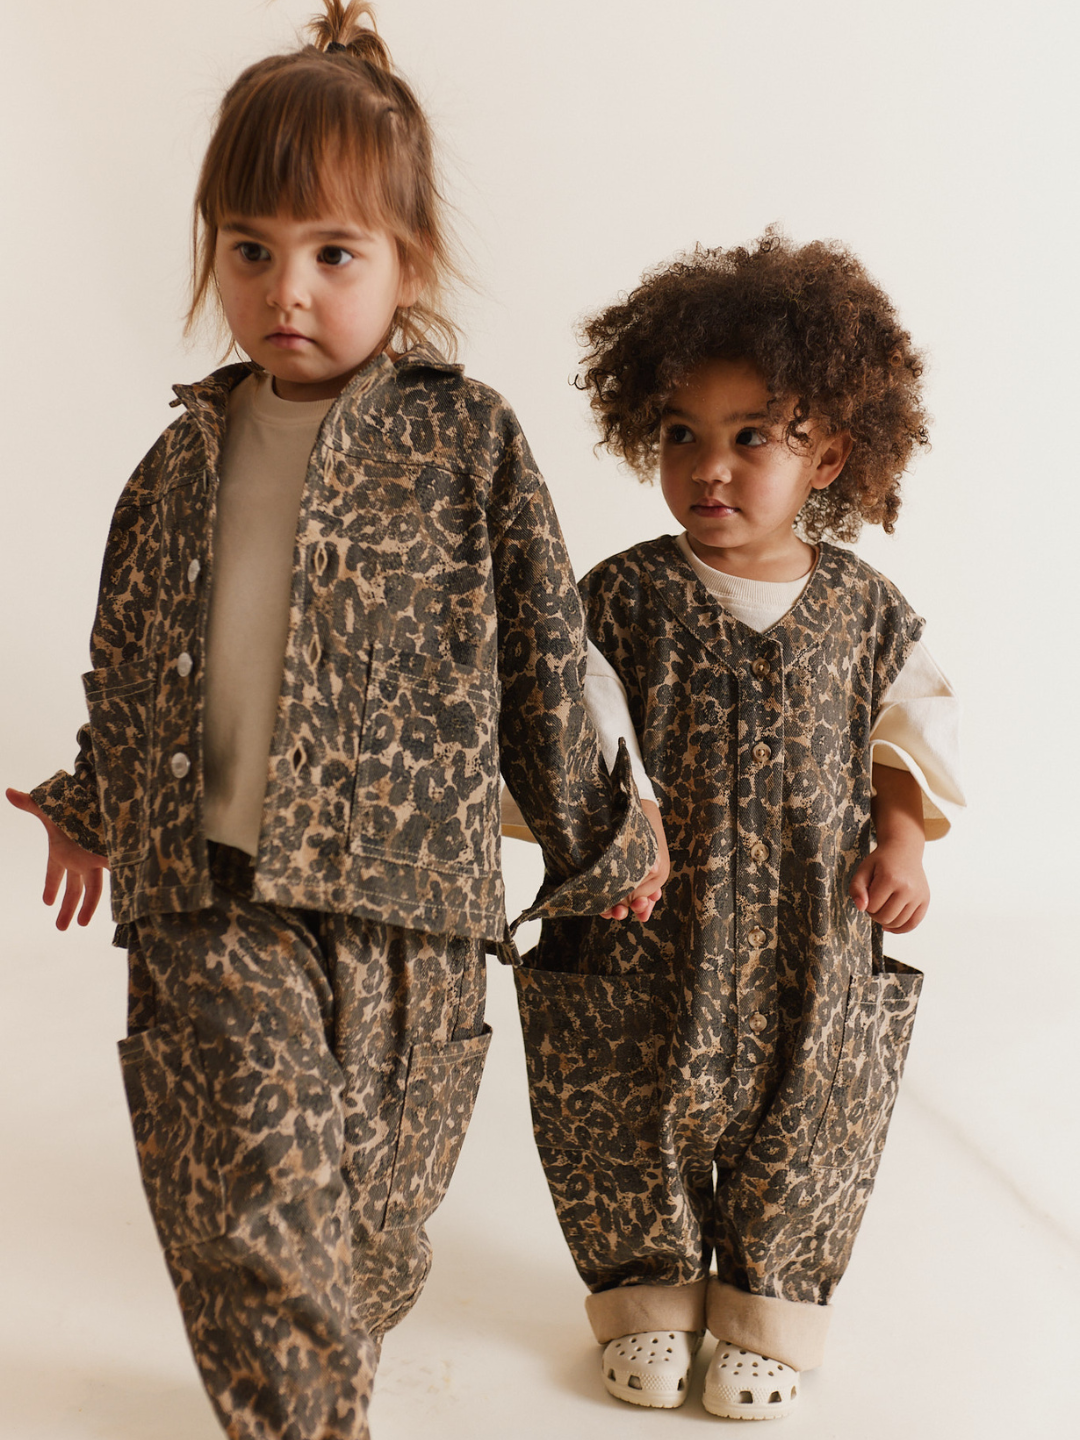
(758, 790)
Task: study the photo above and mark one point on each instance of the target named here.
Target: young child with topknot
(713, 1085)
(335, 599)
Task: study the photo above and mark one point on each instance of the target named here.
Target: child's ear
(831, 458)
(410, 287)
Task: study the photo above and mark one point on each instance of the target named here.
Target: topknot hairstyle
(330, 127)
(815, 326)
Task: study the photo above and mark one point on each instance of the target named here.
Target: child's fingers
(91, 896)
(72, 894)
(22, 801)
(618, 911)
(54, 874)
(859, 887)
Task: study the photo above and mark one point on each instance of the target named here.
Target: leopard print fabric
(300, 1085)
(720, 1079)
(435, 634)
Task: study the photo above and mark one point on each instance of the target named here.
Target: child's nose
(286, 290)
(713, 468)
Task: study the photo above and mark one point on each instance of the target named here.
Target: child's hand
(66, 858)
(644, 897)
(890, 884)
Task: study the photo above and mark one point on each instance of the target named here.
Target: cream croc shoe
(651, 1368)
(740, 1385)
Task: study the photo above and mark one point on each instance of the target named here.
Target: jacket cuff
(71, 809)
(615, 873)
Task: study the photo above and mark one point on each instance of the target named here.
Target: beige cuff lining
(632, 1308)
(781, 1329)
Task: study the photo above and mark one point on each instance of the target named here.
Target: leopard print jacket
(435, 634)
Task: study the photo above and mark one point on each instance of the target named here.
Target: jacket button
(760, 668)
(183, 665)
(179, 764)
(757, 937)
(761, 753)
(758, 1022)
(759, 852)
(193, 571)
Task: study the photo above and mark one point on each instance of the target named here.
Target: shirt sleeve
(70, 799)
(606, 698)
(917, 730)
(596, 839)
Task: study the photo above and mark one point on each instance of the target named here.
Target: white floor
(958, 1318)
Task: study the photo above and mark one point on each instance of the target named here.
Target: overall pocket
(171, 1116)
(440, 1092)
(119, 701)
(591, 1047)
(878, 1020)
(427, 780)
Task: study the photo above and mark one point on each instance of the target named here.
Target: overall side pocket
(878, 1021)
(591, 1047)
(170, 1107)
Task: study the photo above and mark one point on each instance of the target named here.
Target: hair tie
(334, 46)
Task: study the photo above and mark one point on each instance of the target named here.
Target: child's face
(309, 300)
(729, 476)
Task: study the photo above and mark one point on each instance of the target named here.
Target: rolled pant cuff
(781, 1329)
(632, 1308)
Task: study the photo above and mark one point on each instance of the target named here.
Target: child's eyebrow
(242, 227)
(723, 419)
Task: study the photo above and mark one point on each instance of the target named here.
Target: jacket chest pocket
(426, 789)
(119, 700)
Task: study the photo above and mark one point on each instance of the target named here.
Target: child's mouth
(713, 510)
(288, 339)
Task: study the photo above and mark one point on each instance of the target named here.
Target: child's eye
(252, 252)
(750, 439)
(335, 256)
(678, 435)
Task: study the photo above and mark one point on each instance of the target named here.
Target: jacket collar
(797, 633)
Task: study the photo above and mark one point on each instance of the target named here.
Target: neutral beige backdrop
(582, 142)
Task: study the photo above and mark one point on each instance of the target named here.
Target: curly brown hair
(814, 325)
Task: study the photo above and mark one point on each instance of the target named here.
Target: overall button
(757, 937)
(183, 665)
(760, 668)
(761, 752)
(759, 852)
(758, 1022)
(179, 764)
(193, 571)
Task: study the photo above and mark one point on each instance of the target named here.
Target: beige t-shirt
(267, 447)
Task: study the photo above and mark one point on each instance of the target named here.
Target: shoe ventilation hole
(682, 1383)
(774, 1398)
(634, 1382)
(745, 1398)
(794, 1392)
(611, 1374)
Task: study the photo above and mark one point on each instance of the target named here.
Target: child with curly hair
(717, 1081)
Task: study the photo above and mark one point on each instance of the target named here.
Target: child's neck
(786, 563)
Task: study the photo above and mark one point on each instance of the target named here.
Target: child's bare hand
(644, 897)
(890, 885)
(67, 859)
